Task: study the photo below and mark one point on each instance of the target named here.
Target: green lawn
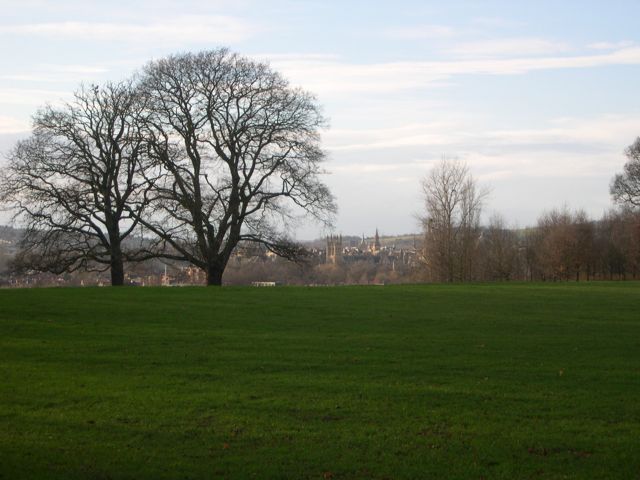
(465, 381)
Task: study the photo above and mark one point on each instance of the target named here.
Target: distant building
(194, 275)
(369, 251)
(334, 252)
(165, 280)
(375, 247)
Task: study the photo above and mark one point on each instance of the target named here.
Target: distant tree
(240, 153)
(584, 245)
(531, 254)
(499, 251)
(565, 247)
(453, 204)
(618, 244)
(625, 187)
(75, 184)
(4, 258)
(361, 272)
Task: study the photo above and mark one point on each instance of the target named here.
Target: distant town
(336, 259)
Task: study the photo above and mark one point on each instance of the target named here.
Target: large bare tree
(625, 187)
(75, 184)
(453, 204)
(240, 151)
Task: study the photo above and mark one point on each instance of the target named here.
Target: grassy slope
(496, 381)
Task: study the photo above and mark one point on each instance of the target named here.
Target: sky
(540, 98)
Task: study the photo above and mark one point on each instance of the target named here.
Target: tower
(334, 249)
(376, 242)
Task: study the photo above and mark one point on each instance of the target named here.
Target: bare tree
(240, 152)
(584, 245)
(566, 244)
(625, 187)
(453, 204)
(617, 246)
(75, 185)
(500, 256)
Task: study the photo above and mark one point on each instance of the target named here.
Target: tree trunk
(117, 267)
(115, 250)
(215, 269)
(214, 277)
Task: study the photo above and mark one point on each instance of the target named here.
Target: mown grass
(462, 381)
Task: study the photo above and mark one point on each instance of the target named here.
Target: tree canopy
(625, 187)
(201, 150)
(238, 147)
(75, 184)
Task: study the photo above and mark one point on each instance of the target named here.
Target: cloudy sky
(539, 98)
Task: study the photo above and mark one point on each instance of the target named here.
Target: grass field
(464, 381)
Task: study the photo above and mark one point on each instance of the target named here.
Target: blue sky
(539, 98)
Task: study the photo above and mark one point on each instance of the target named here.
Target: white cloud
(292, 56)
(421, 32)
(606, 130)
(57, 73)
(458, 132)
(434, 133)
(332, 76)
(30, 97)
(75, 69)
(512, 47)
(385, 168)
(357, 169)
(339, 77)
(610, 45)
(13, 125)
(180, 30)
(496, 22)
(564, 147)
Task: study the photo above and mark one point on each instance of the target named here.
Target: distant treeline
(564, 245)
